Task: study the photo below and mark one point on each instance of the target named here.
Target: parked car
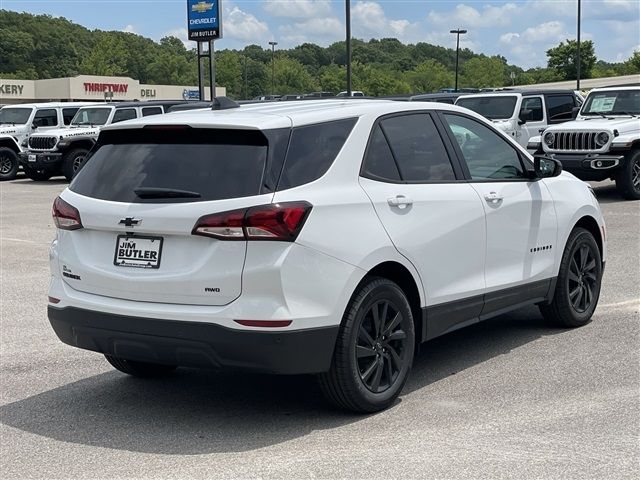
(320, 95)
(18, 122)
(449, 98)
(62, 150)
(354, 93)
(603, 142)
(523, 114)
(321, 237)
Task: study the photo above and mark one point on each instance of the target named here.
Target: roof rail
(224, 103)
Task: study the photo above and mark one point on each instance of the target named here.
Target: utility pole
(273, 67)
(458, 32)
(348, 39)
(246, 79)
(579, 60)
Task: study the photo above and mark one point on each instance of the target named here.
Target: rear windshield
(491, 107)
(207, 164)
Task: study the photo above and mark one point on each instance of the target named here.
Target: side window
(124, 114)
(533, 107)
(379, 163)
(148, 111)
(417, 148)
(312, 150)
(68, 114)
(46, 118)
(487, 155)
(559, 107)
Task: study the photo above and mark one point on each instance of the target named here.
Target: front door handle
(399, 201)
(493, 198)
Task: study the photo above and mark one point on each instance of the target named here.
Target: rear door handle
(493, 198)
(399, 201)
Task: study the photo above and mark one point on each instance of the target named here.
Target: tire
(72, 161)
(139, 369)
(369, 369)
(628, 177)
(8, 164)
(578, 285)
(37, 175)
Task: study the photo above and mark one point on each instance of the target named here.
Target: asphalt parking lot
(509, 398)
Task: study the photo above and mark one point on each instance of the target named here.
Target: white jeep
(603, 142)
(18, 122)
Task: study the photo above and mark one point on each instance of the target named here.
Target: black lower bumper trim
(193, 344)
(43, 161)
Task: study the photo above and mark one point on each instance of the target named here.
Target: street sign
(204, 22)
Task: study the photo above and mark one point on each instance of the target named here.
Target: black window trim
(44, 109)
(523, 161)
(451, 154)
(550, 120)
(543, 100)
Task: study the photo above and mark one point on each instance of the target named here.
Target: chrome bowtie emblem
(130, 222)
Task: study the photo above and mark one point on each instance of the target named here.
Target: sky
(521, 31)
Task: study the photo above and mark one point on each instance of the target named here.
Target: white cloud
(244, 26)
(528, 48)
(318, 30)
(129, 29)
(182, 34)
(466, 16)
(369, 20)
(297, 8)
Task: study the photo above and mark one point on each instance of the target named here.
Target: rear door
(520, 214)
(139, 197)
(435, 219)
(533, 108)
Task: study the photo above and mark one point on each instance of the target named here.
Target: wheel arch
(591, 225)
(86, 143)
(10, 143)
(404, 278)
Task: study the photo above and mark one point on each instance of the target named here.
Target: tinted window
(148, 111)
(46, 118)
(68, 114)
(92, 116)
(14, 116)
(560, 107)
(532, 107)
(379, 163)
(124, 114)
(217, 165)
(491, 107)
(312, 150)
(417, 148)
(485, 152)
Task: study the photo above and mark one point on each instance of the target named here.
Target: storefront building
(93, 88)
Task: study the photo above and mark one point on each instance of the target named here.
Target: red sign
(106, 87)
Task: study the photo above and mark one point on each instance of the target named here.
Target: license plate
(32, 158)
(138, 252)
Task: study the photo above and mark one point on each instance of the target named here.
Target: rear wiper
(152, 192)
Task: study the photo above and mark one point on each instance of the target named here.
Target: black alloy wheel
(380, 346)
(8, 164)
(628, 176)
(582, 279)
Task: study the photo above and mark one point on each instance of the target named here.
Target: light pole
(348, 32)
(273, 67)
(458, 32)
(579, 60)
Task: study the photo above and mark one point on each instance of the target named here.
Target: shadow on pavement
(195, 412)
(53, 181)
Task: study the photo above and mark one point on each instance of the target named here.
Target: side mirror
(34, 126)
(524, 116)
(546, 167)
(574, 112)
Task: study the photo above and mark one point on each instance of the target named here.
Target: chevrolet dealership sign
(204, 20)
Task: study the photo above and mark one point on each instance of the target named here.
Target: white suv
(328, 237)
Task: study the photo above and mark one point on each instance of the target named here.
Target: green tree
(483, 72)
(292, 77)
(564, 59)
(16, 49)
(108, 57)
(429, 76)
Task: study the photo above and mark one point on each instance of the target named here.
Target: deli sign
(203, 17)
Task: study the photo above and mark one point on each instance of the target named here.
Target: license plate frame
(139, 263)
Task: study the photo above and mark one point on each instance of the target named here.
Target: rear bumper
(43, 161)
(194, 344)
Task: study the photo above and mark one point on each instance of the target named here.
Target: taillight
(65, 216)
(277, 222)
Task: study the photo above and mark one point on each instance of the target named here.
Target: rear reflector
(277, 222)
(65, 216)
(54, 300)
(264, 323)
